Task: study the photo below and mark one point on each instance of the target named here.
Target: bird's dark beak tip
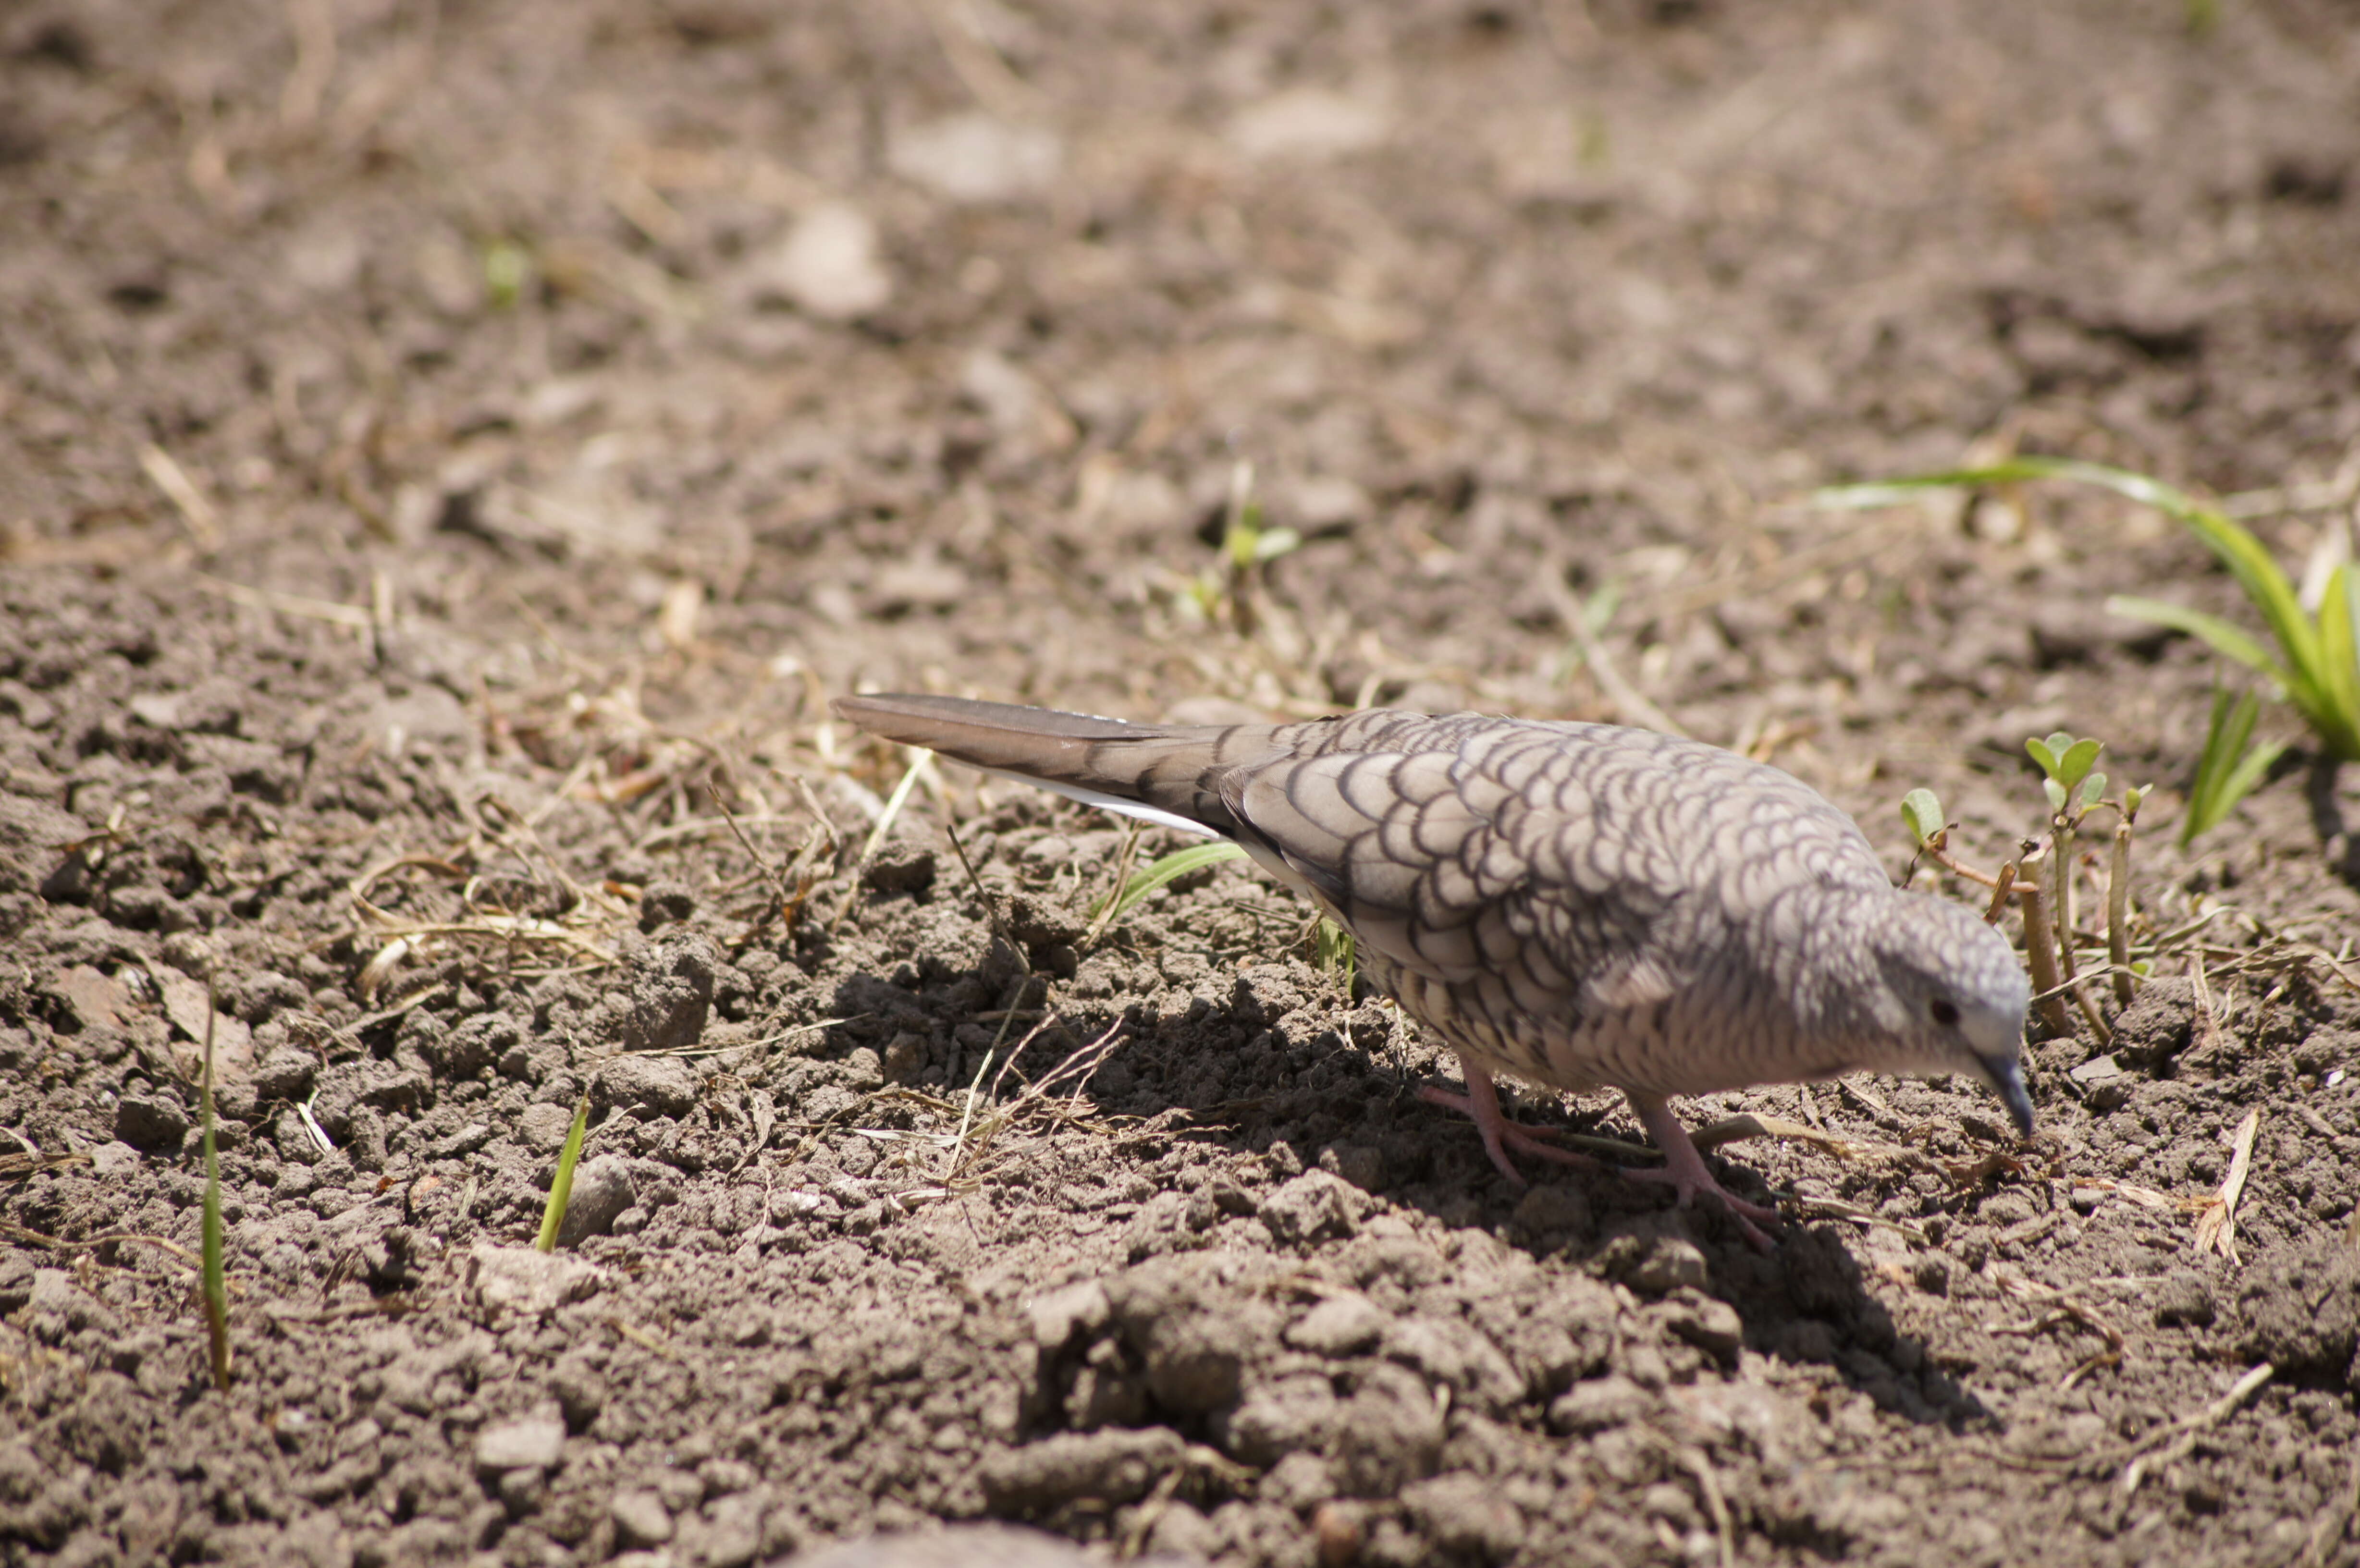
(2007, 1082)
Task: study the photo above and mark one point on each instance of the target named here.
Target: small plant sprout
(1335, 952)
(508, 268)
(2066, 776)
(1245, 542)
(561, 1186)
(2229, 766)
(1921, 812)
(1156, 873)
(2046, 896)
(1332, 947)
(2067, 762)
(1247, 548)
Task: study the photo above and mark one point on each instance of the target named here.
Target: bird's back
(1582, 904)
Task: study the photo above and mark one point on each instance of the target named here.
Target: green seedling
(1248, 546)
(1332, 947)
(2229, 766)
(561, 1186)
(2313, 662)
(1921, 813)
(2066, 763)
(2074, 788)
(1246, 543)
(1334, 951)
(214, 1282)
(508, 267)
(1155, 874)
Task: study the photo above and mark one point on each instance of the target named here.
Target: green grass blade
(2267, 587)
(2239, 550)
(561, 1186)
(2248, 773)
(2016, 470)
(2304, 672)
(2240, 729)
(2351, 660)
(2224, 635)
(2138, 487)
(2226, 771)
(2206, 783)
(2225, 736)
(1336, 951)
(1176, 865)
(2339, 668)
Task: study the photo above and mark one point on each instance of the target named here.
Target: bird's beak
(2006, 1078)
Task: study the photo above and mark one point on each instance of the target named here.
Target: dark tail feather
(1142, 770)
(1037, 742)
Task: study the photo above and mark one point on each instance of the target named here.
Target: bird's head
(1952, 997)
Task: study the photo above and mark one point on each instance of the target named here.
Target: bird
(1580, 906)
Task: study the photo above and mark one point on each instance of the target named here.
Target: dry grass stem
(2169, 1444)
(1109, 906)
(1630, 705)
(886, 817)
(203, 524)
(2216, 1227)
(328, 610)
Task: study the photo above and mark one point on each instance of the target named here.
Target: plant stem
(2040, 958)
(2118, 912)
(1943, 858)
(2105, 1036)
(2002, 886)
(2061, 883)
(2060, 891)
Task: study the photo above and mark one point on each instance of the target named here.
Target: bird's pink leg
(1481, 1101)
(1684, 1169)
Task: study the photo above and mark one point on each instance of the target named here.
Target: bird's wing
(1532, 862)
(1441, 866)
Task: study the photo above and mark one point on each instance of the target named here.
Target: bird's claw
(1482, 1105)
(1750, 1217)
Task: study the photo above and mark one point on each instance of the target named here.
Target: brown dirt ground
(449, 448)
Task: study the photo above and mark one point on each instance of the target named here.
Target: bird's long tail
(1166, 774)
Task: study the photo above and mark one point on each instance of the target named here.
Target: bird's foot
(1482, 1105)
(1684, 1172)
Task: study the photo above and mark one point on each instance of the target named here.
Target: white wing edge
(1105, 802)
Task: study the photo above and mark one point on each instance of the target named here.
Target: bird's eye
(1945, 1011)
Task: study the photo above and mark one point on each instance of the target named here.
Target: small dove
(1577, 904)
